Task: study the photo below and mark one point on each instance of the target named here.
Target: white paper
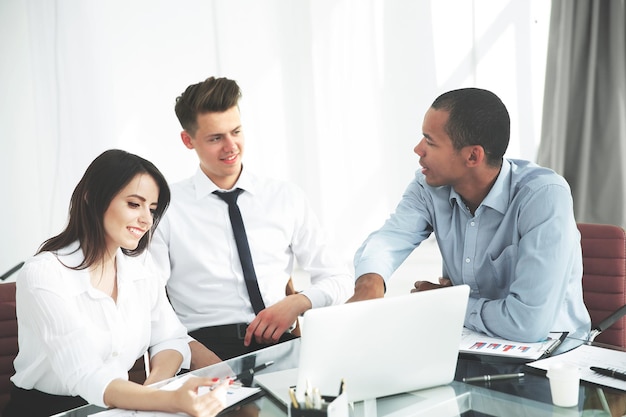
(234, 394)
(478, 343)
(586, 356)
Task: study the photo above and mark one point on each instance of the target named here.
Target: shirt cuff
(370, 267)
(180, 345)
(317, 297)
(95, 389)
(472, 317)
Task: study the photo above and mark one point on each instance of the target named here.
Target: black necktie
(241, 240)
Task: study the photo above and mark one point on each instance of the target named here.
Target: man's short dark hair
(210, 95)
(476, 117)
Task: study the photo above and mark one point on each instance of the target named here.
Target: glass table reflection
(528, 396)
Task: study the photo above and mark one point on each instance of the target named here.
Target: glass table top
(527, 396)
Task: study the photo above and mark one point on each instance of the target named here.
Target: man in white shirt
(195, 245)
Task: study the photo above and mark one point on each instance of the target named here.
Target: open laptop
(378, 347)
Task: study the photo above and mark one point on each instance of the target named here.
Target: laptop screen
(384, 346)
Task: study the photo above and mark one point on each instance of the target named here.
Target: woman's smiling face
(129, 215)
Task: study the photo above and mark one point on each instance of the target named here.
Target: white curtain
(584, 121)
(334, 93)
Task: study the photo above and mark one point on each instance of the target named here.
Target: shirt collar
(72, 255)
(498, 197)
(204, 186)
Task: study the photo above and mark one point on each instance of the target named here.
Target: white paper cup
(564, 382)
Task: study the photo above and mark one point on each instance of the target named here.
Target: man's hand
(427, 285)
(368, 286)
(270, 324)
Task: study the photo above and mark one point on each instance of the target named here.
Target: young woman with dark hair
(89, 303)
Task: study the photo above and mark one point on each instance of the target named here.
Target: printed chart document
(586, 356)
(480, 344)
(234, 394)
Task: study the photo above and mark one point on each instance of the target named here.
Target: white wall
(334, 93)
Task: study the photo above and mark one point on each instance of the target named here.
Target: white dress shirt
(195, 246)
(74, 339)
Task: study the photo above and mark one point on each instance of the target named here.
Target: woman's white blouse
(74, 339)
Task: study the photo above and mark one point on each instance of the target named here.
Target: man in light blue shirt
(504, 227)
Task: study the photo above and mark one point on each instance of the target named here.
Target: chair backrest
(8, 340)
(604, 277)
(138, 372)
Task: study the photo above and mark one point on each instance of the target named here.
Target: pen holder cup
(337, 407)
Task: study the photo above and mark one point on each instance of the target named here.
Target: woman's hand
(198, 397)
(197, 403)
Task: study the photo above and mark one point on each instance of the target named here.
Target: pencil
(294, 400)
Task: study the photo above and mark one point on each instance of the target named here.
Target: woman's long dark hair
(105, 177)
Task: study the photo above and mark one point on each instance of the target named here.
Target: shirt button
(467, 260)
(114, 354)
(472, 224)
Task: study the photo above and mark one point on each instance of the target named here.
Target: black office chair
(11, 271)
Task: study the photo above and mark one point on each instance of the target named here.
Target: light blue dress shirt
(519, 253)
